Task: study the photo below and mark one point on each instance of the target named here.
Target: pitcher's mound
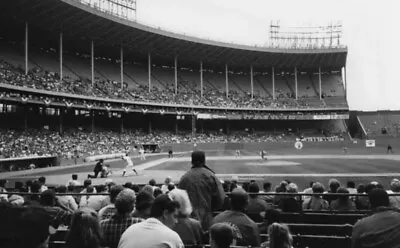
(273, 163)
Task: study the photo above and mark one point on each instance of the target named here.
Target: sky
(370, 31)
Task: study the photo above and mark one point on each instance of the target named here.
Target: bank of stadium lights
(306, 37)
(125, 9)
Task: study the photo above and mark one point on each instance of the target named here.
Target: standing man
(204, 188)
(389, 149)
(129, 163)
(237, 153)
(142, 155)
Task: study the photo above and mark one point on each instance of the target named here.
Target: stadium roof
(81, 23)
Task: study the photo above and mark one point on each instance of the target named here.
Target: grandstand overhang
(81, 24)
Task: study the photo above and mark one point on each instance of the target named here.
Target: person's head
(167, 180)
(101, 188)
(157, 192)
(114, 191)
(74, 177)
(239, 200)
(87, 183)
(334, 184)
(253, 189)
(395, 186)
(34, 228)
(345, 196)
(318, 188)
(311, 183)
(292, 188)
(149, 189)
(171, 186)
(221, 235)
(152, 182)
(62, 189)
(279, 236)
(378, 198)
(42, 180)
(267, 186)
(144, 201)
(369, 187)
(125, 201)
(361, 188)
(351, 185)
(71, 188)
(90, 189)
(198, 158)
(102, 160)
(48, 198)
(84, 231)
(182, 197)
(166, 210)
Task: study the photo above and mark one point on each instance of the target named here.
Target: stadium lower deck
(301, 167)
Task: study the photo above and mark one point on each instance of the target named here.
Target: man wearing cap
(156, 231)
(247, 231)
(204, 188)
(113, 227)
(381, 229)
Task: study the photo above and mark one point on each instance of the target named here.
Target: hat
(198, 157)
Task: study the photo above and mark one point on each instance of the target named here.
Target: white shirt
(67, 201)
(150, 233)
(73, 183)
(128, 160)
(141, 151)
(95, 202)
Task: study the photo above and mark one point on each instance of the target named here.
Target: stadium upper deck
(81, 23)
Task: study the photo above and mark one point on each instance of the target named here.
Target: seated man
(246, 230)
(380, 229)
(221, 235)
(34, 228)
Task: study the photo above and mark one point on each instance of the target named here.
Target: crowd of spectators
(73, 142)
(130, 216)
(188, 94)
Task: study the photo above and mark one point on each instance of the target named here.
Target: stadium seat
(320, 218)
(310, 241)
(320, 229)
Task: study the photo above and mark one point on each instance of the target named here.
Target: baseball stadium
(81, 82)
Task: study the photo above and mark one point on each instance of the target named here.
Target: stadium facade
(73, 64)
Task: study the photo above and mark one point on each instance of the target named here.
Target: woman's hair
(345, 197)
(279, 236)
(84, 230)
(182, 197)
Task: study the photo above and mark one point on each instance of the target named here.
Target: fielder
(142, 155)
(129, 163)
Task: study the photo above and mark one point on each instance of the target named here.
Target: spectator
(113, 227)
(58, 215)
(86, 184)
(109, 210)
(16, 199)
(204, 189)
(149, 189)
(3, 197)
(221, 235)
(343, 202)
(189, 229)
(395, 200)
(74, 181)
(84, 231)
(247, 230)
(290, 203)
(34, 228)
(308, 191)
(351, 187)
(334, 184)
(66, 202)
(96, 202)
(316, 203)
(144, 201)
(156, 231)
(279, 237)
(153, 184)
(33, 199)
(42, 181)
(157, 192)
(380, 229)
(257, 206)
(362, 202)
(267, 189)
(164, 187)
(281, 188)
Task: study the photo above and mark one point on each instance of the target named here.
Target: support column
(61, 119)
(122, 67)
(149, 69)
(61, 57)
(92, 60)
(194, 125)
(226, 80)
(273, 83)
(320, 83)
(345, 83)
(176, 126)
(150, 127)
(201, 79)
(295, 82)
(251, 82)
(26, 118)
(122, 122)
(26, 48)
(176, 75)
